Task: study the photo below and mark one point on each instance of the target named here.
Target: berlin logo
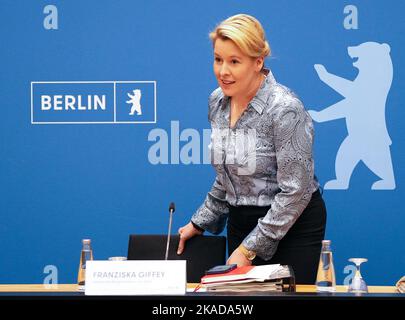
(93, 102)
(136, 102)
(363, 106)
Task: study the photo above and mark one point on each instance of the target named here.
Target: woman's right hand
(186, 232)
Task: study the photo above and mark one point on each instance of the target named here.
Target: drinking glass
(358, 285)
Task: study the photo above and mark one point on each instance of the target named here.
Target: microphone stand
(171, 210)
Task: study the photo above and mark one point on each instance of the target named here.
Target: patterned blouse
(264, 160)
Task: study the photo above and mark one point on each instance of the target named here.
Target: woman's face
(236, 72)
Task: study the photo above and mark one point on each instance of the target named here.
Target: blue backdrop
(61, 182)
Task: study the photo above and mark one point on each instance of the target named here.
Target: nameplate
(136, 277)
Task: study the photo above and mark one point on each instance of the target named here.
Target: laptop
(201, 252)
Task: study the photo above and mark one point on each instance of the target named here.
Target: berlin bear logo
(135, 100)
(363, 107)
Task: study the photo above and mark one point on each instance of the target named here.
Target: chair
(200, 252)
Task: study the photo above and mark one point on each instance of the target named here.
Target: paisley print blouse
(265, 159)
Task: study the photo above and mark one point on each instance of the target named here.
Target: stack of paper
(247, 278)
(265, 286)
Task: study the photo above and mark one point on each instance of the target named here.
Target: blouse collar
(262, 95)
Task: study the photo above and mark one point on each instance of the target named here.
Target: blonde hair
(246, 32)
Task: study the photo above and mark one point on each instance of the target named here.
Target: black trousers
(300, 247)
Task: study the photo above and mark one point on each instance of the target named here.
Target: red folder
(240, 273)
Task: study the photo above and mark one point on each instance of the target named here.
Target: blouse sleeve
(293, 138)
(213, 213)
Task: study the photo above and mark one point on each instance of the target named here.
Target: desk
(72, 288)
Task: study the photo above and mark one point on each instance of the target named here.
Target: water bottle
(325, 279)
(86, 255)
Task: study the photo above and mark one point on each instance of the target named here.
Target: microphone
(171, 210)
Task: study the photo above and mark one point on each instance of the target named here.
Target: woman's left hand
(238, 258)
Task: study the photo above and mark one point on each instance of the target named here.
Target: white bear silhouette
(363, 107)
(136, 102)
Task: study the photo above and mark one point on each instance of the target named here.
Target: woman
(268, 194)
